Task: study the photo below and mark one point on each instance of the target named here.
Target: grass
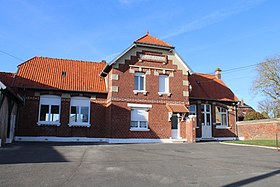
(269, 143)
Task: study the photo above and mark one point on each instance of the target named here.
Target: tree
(270, 107)
(268, 78)
(254, 116)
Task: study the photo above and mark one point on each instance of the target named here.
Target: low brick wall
(259, 129)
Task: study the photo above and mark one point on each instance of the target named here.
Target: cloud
(213, 18)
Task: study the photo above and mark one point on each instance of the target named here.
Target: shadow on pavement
(17, 153)
(253, 179)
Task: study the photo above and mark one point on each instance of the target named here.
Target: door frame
(175, 133)
(206, 130)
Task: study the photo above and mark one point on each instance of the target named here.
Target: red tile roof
(207, 86)
(7, 78)
(148, 39)
(63, 74)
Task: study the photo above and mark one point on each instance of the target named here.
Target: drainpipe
(235, 125)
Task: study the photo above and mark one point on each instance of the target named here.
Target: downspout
(235, 125)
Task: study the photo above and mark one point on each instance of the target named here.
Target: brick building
(146, 94)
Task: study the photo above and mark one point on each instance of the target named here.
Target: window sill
(79, 125)
(197, 127)
(139, 129)
(140, 91)
(164, 93)
(222, 127)
(47, 123)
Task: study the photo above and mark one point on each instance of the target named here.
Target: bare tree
(270, 108)
(268, 78)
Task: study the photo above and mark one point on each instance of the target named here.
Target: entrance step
(179, 141)
(205, 139)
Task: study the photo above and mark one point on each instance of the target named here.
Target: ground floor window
(192, 109)
(139, 118)
(49, 110)
(221, 117)
(80, 111)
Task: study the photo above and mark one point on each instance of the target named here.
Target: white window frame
(222, 126)
(204, 114)
(193, 113)
(80, 102)
(49, 100)
(166, 84)
(139, 74)
(146, 108)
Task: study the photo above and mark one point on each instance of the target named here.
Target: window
(49, 113)
(206, 115)
(163, 84)
(192, 109)
(221, 116)
(139, 82)
(80, 111)
(139, 119)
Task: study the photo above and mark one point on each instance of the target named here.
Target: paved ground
(201, 164)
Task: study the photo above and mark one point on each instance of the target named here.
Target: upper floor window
(221, 116)
(49, 112)
(80, 111)
(163, 84)
(139, 82)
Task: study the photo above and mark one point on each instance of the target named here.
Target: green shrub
(254, 116)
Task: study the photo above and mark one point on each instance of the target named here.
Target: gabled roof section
(207, 86)
(7, 78)
(61, 74)
(151, 40)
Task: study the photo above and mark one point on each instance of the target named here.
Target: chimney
(218, 73)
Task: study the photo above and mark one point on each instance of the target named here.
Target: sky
(233, 35)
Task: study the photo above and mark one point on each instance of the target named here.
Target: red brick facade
(111, 111)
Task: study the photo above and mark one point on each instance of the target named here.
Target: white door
(12, 129)
(174, 127)
(206, 122)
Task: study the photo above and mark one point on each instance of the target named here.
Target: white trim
(139, 129)
(80, 102)
(225, 138)
(77, 124)
(86, 139)
(121, 54)
(2, 85)
(138, 140)
(58, 139)
(139, 105)
(222, 127)
(49, 100)
(183, 63)
(40, 123)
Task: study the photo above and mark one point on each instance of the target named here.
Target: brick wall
(28, 116)
(258, 129)
(118, 113)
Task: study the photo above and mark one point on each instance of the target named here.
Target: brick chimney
(218, 73)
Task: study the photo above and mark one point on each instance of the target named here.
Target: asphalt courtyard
(201, 164)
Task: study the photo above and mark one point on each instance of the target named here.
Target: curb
(247, 145)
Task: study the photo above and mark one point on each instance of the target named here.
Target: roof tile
(207, 86)
(63, 74)
(148, 39)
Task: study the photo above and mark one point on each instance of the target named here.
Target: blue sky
(206, 33)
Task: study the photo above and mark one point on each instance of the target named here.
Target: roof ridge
(157, 41)
(65, 59)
